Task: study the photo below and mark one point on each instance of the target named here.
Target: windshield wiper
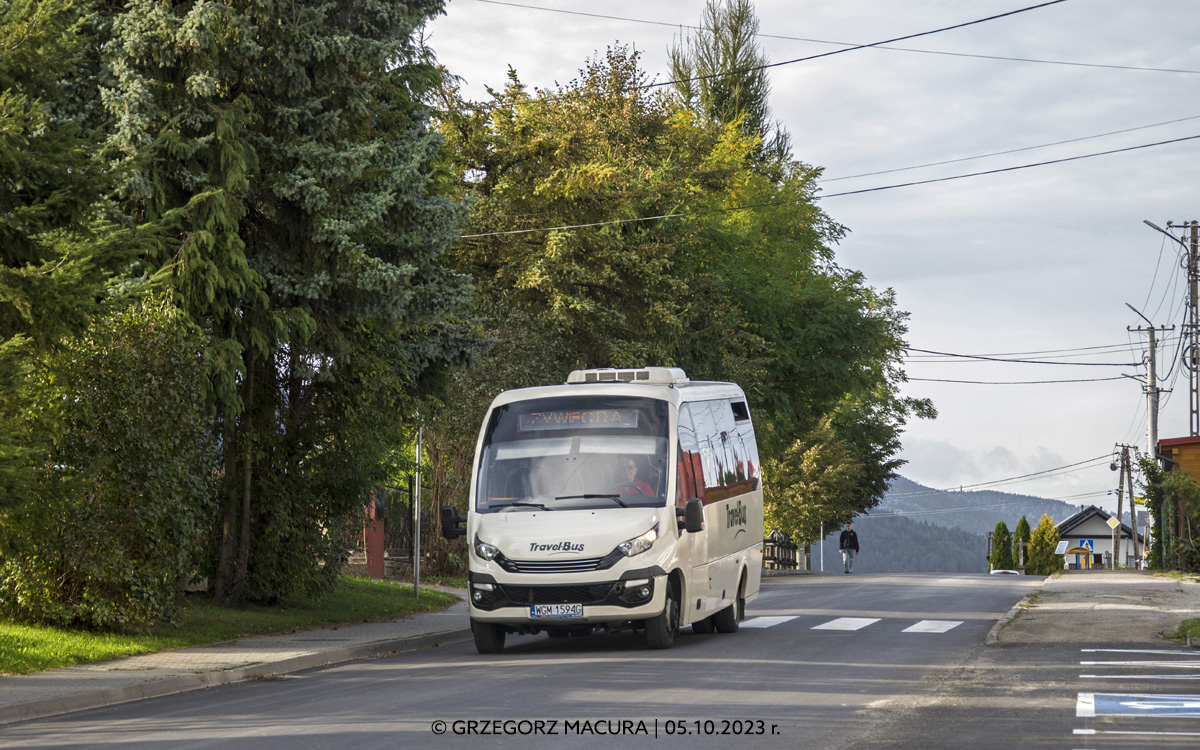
(615, 498)
(525, 505)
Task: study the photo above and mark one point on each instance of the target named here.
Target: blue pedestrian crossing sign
(1089, 543)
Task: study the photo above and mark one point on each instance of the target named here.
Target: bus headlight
(485, 551)
(640, 544)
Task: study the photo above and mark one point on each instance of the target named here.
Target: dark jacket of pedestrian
(848, 540)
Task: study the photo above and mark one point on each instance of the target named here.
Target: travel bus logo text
(735, 516)
(557, 547)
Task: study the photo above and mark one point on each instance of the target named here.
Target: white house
(1089, 529)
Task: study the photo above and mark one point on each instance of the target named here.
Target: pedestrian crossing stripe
(766, 622)
(847, 623)
(853, 623)
(933, 626)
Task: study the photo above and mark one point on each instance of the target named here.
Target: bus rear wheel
(728, 619)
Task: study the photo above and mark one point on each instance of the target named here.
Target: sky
(1034, 263)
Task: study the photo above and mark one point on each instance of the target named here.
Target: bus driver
(629, 484)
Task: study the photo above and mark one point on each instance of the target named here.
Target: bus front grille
(553, 566)
(585, 594)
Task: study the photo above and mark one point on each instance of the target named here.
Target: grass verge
(33, 648)
(1189, 628)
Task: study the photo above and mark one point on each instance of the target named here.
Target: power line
(1010, 169)
(1063, 352)
(1022, 477)
(1003, 58)
(858, 47)
(1025, 361)
(1011, 151)
(1012, 382)
(1080, 496)
(1162, 246)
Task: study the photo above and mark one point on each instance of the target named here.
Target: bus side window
(690, 479)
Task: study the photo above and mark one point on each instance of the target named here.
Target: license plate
(556, 610)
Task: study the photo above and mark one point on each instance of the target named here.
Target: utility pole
(1125, 480)
(1151, 394)
(1193, 333)
(417, 522)
(1127, 468)
(1191, 328)
(1116, 545)
(1151, 387)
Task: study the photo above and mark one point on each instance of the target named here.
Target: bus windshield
(574, 452)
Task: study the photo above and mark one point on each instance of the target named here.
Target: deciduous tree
(124, 497)
(811, 486)
(637, 232)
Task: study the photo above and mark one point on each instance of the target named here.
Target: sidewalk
(1101, 606)
(84, 686)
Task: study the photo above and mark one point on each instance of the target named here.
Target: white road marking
(1085, 706)
(766, 622)
(1138, 677)
(847, 623)
(933, 626)
(1188, 654)
(1151, 663)
(1141, 734)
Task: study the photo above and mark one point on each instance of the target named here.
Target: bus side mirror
(453, 523)
(693, 516)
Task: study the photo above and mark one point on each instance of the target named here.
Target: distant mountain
(977, 510)
(917, 529)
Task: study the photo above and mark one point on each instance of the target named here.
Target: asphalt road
(821, 661)
(1055, 695)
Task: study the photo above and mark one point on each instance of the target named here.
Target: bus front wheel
(489, 638)
(661, 630)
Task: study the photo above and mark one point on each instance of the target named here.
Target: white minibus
(626, 498)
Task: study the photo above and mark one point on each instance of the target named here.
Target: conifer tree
(1021, 533)
(1043, 541)
(1001, 557)
(720, 74)
(292, 174)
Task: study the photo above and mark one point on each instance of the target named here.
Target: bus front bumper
(551, 605)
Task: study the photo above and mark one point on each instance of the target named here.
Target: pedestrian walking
(848, 546)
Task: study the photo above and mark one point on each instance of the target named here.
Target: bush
(125, 493)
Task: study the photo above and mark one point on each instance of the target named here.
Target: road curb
(41, 709)
(993, 635)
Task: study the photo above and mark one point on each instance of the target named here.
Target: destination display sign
(572, 419)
